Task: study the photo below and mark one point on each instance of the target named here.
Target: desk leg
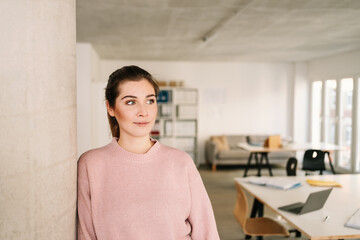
(248, 165)
(267, 163)
(256, 211)
(261, 209)
(258, 164)
(247, 237)
(330, 162)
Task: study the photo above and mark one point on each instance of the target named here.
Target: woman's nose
(142, 111)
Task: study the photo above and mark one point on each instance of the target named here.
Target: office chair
(291, 166)
(259, 226)
(314, 160)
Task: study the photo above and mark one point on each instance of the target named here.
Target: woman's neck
(136, 145)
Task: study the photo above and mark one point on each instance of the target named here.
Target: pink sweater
(156, 195)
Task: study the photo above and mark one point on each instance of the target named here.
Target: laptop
(315, 201)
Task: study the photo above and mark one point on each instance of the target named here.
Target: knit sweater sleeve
(85, 223)
(201, 216)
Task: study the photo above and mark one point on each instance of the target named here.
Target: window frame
(355, 137)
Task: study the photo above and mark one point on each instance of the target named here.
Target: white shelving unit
(176, 124)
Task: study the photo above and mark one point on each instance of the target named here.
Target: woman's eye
(151, 101)
(130, 102)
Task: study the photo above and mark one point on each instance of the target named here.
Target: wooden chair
(259, 226)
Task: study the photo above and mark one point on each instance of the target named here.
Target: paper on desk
(258, 180)
(275, 182)
(354, 220)
(320, 183)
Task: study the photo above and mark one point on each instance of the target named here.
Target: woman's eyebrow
(128, 96)
(131, 96)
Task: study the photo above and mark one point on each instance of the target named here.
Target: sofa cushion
(233, 140)
(233, 154)
(220, 142)
(257, 139)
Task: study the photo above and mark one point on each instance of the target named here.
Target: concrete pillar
(37, 119)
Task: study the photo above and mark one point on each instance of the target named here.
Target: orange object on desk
(273, 142)
(319, 183)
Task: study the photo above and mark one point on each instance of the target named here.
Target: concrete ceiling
(237, 30)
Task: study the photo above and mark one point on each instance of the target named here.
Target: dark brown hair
(127, 73)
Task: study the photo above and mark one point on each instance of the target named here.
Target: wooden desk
(341, 204)
(294, 147)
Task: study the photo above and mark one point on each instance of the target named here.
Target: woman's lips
(141, 124)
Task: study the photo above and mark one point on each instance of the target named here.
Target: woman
(135, 187)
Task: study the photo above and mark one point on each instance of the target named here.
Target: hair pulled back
(124, 74)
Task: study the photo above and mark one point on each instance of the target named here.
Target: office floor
(221, 189)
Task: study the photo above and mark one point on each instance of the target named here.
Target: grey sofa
(232, 154)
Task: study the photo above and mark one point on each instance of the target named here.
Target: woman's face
(135, 108)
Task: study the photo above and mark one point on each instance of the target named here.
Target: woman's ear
(109, 109)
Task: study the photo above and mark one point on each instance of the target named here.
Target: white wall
(300, 104)
(234, 98)
(87, 63)
(101, 134)
(341, 65)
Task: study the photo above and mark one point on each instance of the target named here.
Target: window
(346, 121)
(316, 111)
(356, 111)
(334, 108)
(330, 111)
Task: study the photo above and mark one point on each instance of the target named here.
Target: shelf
(186, 111)
(176, 123)
(190, 136)
(164, 96)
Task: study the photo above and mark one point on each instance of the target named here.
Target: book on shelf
(164, 96)
(273, 182)
(155, 131)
